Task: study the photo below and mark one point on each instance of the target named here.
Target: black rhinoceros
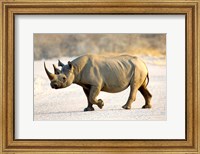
(103, 73)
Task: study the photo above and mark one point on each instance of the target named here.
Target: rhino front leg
(89, 107)
(94, 91)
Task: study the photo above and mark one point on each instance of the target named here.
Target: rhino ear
(56, 70)
(60, 63)
(70, 64)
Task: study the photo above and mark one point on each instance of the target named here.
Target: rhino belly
(114, 88)
(116, 80)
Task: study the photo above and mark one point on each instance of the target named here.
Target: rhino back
(112, 74)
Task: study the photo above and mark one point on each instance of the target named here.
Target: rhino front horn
(49, 74)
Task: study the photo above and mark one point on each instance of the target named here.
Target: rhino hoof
(100, 103)
(146, 106)
(126, 107)
(88, 109)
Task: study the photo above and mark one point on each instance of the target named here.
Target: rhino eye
(64, 78)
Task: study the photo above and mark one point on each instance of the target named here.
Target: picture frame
(7, 93)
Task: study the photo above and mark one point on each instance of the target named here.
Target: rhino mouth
(54, 86)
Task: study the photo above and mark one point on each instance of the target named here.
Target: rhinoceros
(95, 73)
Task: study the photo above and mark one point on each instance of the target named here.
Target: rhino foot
(88, 109)
(146, 106)
(100, 103)
(127, 107)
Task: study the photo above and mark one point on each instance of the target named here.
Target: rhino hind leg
(147, 96)
(131, 98)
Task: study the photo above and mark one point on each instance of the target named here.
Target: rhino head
(61, 78)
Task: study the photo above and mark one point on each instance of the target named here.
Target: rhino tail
(147, 79)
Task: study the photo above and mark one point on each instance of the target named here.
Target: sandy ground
(68, 103)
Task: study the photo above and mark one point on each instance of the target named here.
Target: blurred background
(48, 46)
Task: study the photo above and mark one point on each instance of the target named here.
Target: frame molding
(10, 8)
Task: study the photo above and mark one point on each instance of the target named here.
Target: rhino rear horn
(60, 63)
(56, 70)
(49, 74)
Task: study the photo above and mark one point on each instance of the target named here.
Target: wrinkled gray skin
(102, 73)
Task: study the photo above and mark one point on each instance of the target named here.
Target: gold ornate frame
(9, 8)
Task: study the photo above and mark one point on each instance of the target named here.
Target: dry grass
(148, 52)
(141, 52)
(47, 46)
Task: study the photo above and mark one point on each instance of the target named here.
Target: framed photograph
(99, 77)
